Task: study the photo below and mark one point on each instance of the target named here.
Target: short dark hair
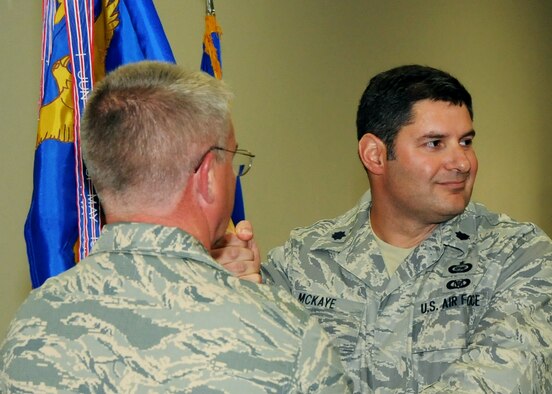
(386, 104)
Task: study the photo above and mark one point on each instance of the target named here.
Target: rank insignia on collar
(338, 235)
(462, 236)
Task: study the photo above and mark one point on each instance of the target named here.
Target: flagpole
(210, 7)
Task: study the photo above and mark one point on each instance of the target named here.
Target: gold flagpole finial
(210, 7)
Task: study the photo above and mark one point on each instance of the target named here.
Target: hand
(238, 253)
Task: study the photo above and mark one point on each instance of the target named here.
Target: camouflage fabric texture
(468, 311)
(149, 311)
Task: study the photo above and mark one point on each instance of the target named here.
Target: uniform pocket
(439, 325)
(439, 337)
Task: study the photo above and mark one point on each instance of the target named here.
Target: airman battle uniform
(150, 311)
(468, 311)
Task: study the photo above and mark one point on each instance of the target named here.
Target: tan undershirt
(393, 256)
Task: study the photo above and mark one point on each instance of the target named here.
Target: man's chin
(452, 212)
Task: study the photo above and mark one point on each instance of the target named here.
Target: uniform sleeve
(273, 271)
(511, 348)
(319, 368)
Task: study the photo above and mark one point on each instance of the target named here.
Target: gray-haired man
(149, 310)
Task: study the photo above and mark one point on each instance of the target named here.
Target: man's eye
(433, 143)
(466, 142)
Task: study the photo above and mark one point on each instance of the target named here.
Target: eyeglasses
(241, 161)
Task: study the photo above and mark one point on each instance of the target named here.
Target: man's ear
(372, 152)
(204, 179)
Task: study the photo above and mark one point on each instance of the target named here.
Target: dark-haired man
(421, 289)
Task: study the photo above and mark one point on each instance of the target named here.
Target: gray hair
(147, 124)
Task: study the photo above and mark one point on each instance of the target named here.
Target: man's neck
(192, 224)
(400, 232)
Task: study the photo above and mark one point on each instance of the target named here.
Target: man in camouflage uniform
(422, 290)
(149, 310)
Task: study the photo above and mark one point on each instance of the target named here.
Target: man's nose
(459, 160)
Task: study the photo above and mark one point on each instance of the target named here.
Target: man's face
(432, 176)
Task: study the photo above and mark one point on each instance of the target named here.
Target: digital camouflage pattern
(149, 311)
(469, 311)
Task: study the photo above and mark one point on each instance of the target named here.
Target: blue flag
(211, 63)
(82, 40)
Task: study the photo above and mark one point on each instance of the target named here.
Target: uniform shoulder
(318, 227)
(344, 220)
(498, 231)
(501, 222)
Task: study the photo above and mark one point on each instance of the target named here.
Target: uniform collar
(455, 237)
(457, 232)
(350, 243)
(460, 232)
(346, 228)
(151, 239)
(350, 237)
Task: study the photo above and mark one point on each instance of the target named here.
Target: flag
(211, 63)
(82, 40)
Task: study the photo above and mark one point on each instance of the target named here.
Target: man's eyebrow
(431, 135)
(439, 135)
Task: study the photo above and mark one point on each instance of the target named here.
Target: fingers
(242, 269)
(256, 253)
(248, 267)
(238, 253)
(242, 233)
(244, 230)
(232, 249)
